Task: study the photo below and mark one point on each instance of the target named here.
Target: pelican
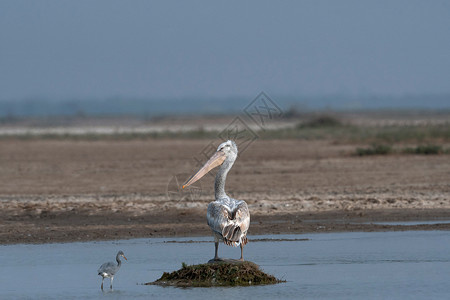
(228, 218)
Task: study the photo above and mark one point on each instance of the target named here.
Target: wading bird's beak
(124, 257)
(216, 160)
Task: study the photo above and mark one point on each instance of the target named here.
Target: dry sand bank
(66, 190)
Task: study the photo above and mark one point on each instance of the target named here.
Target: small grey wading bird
(228, 218)
(109, 269)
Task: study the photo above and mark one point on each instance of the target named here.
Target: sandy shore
(67, 190)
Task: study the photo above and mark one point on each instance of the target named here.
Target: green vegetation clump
(418, 133)
(380, 149)
(216, 274)
(321, 121)
(322, 128)
(374, 150)
(425, 149)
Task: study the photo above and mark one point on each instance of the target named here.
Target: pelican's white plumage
(228, 218)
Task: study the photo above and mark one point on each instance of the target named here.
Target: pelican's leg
(216, 246)
(112, 278)
(242, 252)
(103, 278)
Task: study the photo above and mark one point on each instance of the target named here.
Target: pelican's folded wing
(231, 225)
(217, 217)
(242, 217)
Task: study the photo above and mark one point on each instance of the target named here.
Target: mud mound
(216, 274)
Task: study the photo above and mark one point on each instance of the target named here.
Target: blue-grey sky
(99, 49)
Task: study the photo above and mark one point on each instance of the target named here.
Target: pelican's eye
(223, 147)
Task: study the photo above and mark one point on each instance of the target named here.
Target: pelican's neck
(119, 262)
(219, 184)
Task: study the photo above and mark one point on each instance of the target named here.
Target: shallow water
(381, 265)
(410, 223)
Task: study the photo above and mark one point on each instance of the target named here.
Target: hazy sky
(84, 49)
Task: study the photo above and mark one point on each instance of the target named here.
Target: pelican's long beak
(124, 257)
(216, 160)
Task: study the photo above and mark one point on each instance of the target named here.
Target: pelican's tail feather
(232, 235)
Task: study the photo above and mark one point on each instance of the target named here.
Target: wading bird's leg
(242, 252)
(216, 245)
(103, 278)
(112, 277)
